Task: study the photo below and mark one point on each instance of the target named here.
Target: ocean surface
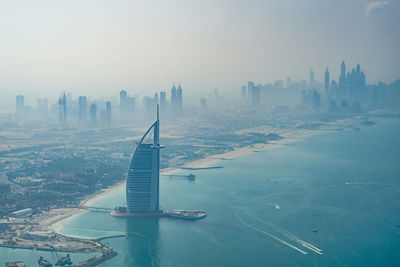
(332, 199)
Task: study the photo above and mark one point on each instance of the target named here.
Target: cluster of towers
(253, 93)
(71, 109)
(176, 98)
(351, 86)
(127, 103)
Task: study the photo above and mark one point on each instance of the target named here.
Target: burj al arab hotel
(143, 181)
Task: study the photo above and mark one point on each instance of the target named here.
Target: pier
(202, 168)
(94, 208)
(190, 177)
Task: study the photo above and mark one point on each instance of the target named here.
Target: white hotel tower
(142, 184)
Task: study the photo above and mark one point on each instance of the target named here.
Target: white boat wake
(270, 235)
(291, 236)
(381, 184)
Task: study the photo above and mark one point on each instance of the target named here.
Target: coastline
(57, 223)
(288, 137)
(295, 135)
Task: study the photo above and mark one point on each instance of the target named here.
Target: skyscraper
(19, 107)
(174, 99)
(342, 77)
(45, 105)
(82, 108)
(163, 100)
(123, 102)
(62, 109)
(312, 78)
(255, 96)
(64, 102)
(142, 184)
(93, 114)
(179, 98)
(108, 112)
(250, 86)
(327, 82)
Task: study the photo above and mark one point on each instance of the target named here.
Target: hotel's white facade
(142, 185)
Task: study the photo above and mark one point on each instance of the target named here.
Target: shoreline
(287, 137)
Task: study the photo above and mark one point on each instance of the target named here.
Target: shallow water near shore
(330, 200)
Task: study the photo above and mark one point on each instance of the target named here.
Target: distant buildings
(254, 93)
(250, 86)
(342, 77)
(173, 98)
(311, 98)
(351, 87)
(19, 105)
(179, 97)
(278, 83)
(312, 77)
(83, 108)
(150, 104)
(176, 99)
(126, 105)
(123, 102)
(93, 114)
(326, 82)
(108, 113)
(163, 100)
(42, 106)
(62, 109)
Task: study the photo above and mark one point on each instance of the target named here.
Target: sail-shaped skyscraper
(143, 181)
(142, 184)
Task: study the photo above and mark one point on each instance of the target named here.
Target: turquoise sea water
(330, 200)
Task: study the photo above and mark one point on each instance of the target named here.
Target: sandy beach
(288, 137)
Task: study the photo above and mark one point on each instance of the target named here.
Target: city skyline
(199, 133)
(97, 52)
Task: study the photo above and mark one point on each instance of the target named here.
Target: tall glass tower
(142, 184)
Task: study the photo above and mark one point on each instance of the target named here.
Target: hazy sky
(96, 47)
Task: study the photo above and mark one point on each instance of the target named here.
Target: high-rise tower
(342, 77)
(83, 108)
(312, 79)
(93, 114)
(327, 82)
(123, 103)
(19, 107)
(179, 98)
(142, 183)
(163, 100)
(173, 98)
(108, 112)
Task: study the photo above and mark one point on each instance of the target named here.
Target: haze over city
(199, 133)
(100, 47)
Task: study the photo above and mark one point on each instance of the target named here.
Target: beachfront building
(142, 185)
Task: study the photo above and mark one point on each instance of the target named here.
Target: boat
(191, 177)
(15, 264)
(64, 261)
(43, 262)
